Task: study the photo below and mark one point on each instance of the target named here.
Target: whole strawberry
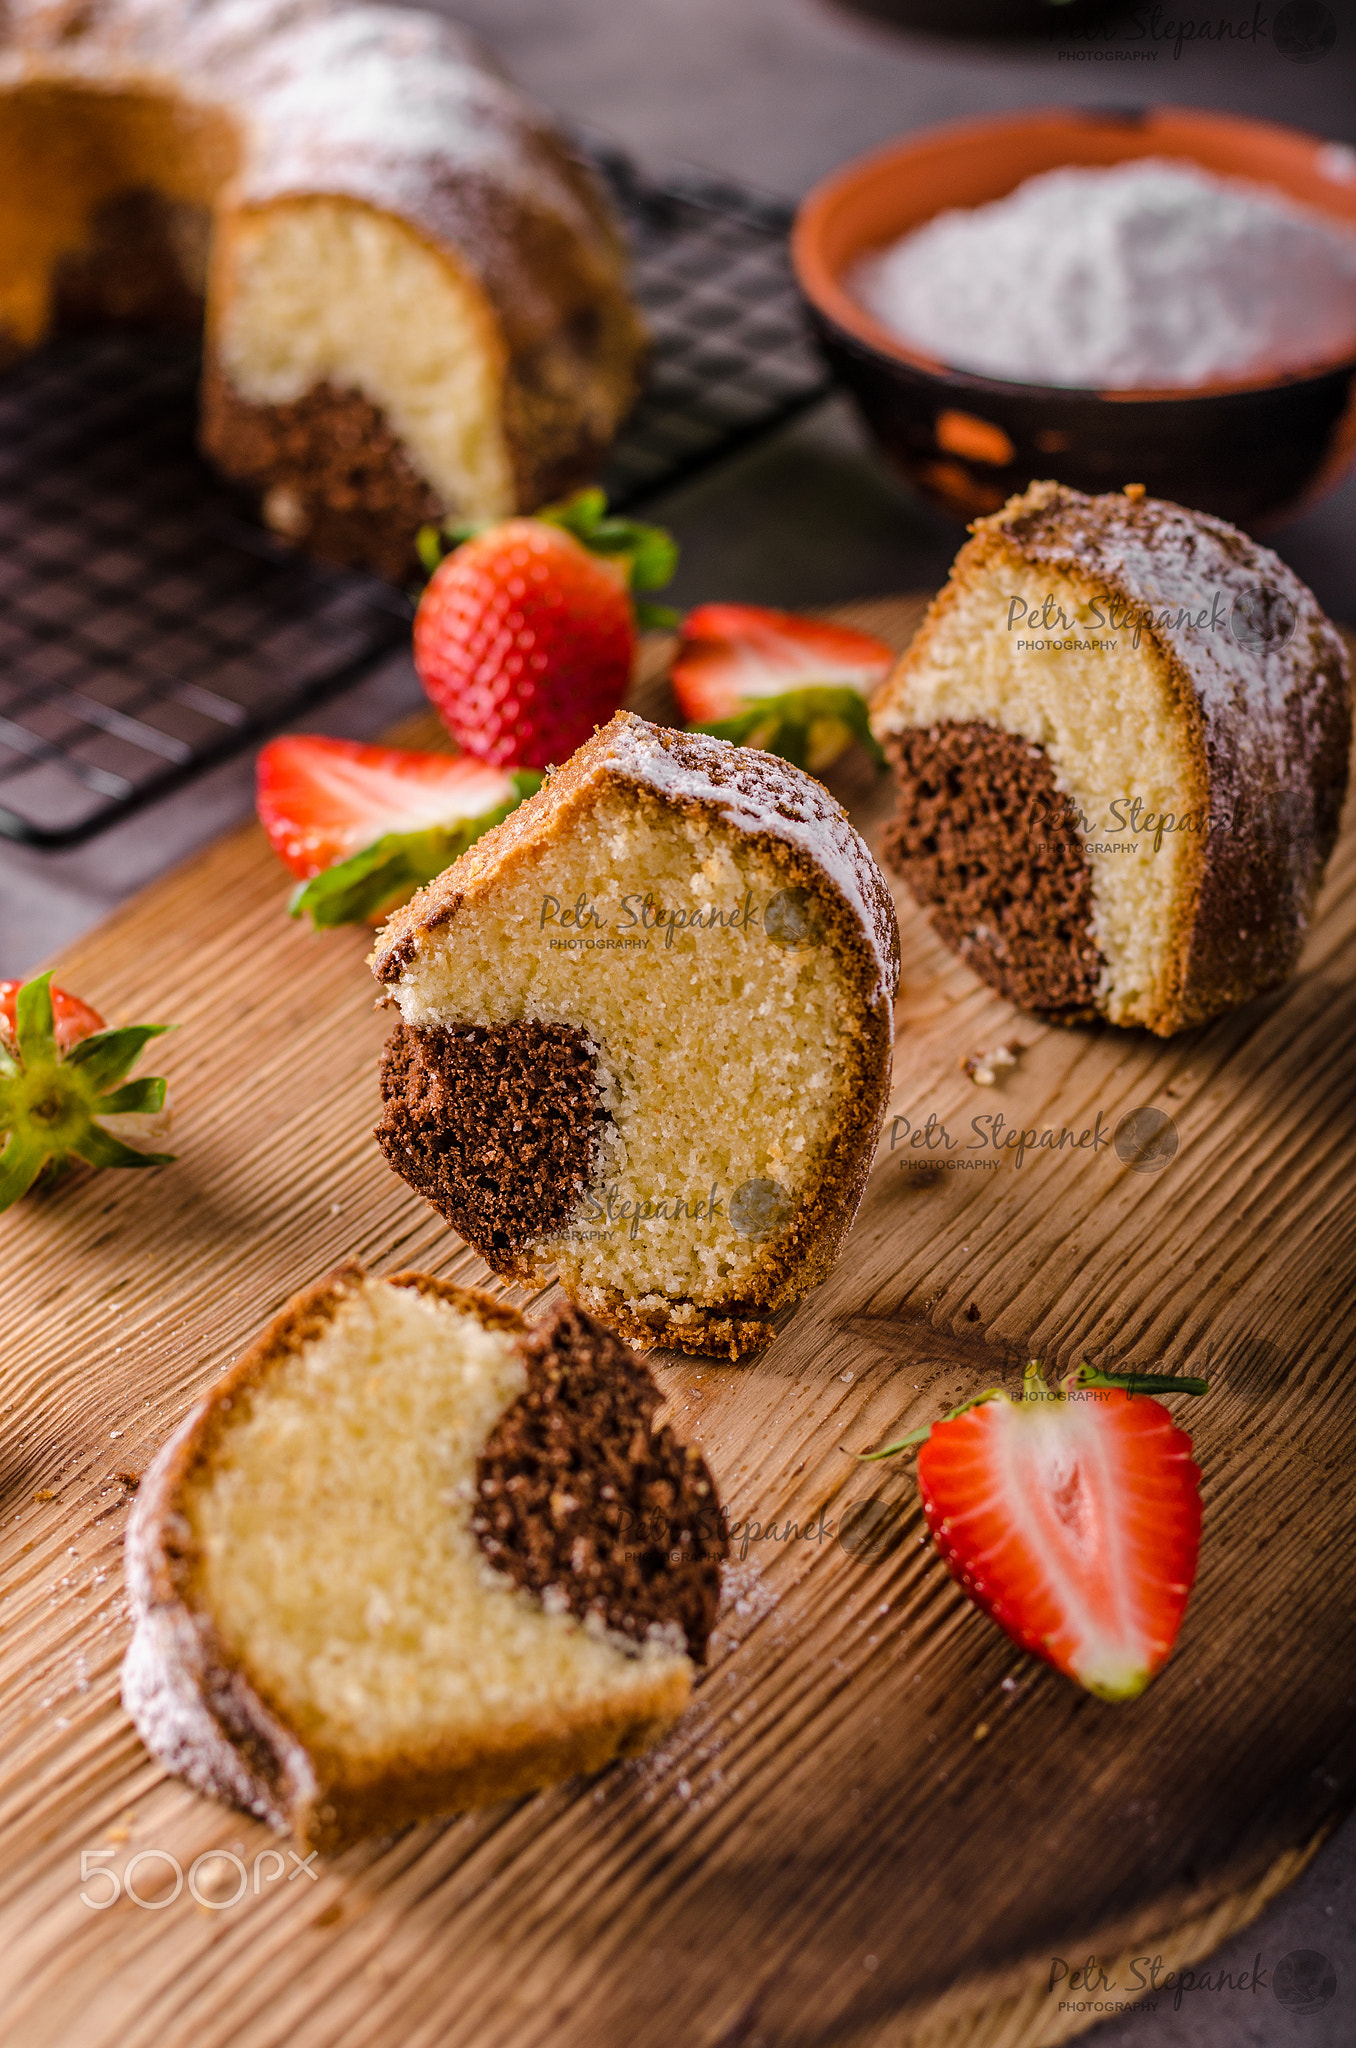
(525, 637)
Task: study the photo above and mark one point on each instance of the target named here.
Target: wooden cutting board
(879, 1823)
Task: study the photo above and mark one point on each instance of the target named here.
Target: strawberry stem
(1133, 1382)
(1035, 1389)
(916, 1437)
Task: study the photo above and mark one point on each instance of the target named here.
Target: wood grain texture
(879, 1821)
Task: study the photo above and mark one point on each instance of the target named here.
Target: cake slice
(644, 1036)
(410, 1556)
(1120, 740)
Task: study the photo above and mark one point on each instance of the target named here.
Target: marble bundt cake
(414, 295)
(645, 1035)
(409, 1556)
(1120, 739)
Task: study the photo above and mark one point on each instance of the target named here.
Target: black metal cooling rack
(148, 628)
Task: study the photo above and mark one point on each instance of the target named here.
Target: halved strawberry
(63, 1088)
(793, 686)
(1072, 1518)
(363, 827)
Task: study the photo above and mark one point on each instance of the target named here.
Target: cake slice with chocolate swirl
(1120, 740)
(644, 1037)
(411, 1555)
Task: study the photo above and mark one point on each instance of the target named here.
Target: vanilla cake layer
(684, 1013)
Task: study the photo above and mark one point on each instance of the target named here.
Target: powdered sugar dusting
(380, 102)
(761, 793)
(1145, 274)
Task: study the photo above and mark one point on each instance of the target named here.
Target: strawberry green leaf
(34, 1023)
(101, 1148)
(21, 1162)
(428, 545)
(580, 514)
(655, 618)
(786, 725)
(106, 1056)
(649, 553)
(388, 872)
(135, 1098)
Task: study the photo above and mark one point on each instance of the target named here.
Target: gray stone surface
(777, 92)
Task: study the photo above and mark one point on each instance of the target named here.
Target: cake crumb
(44, 1493)
(984, 1068)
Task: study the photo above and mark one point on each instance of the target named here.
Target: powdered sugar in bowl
(1196, 332)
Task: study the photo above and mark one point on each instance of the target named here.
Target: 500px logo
(204, 1887)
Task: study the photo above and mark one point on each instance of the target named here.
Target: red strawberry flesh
(73, 1020)
(525, 641)
(321, 800)
(733, 654)
(1075, 1523)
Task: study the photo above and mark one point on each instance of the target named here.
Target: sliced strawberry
(64, 1092)
(525, 638)
(793, 686)
(363, 826)
(1072, 1518)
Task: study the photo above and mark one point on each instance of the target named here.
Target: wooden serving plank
(879, 1822)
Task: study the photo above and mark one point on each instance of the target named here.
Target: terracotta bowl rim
(822, 287)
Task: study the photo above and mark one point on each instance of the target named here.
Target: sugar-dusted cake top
(760, 792)
(751, 792)
(1251, 637)
(392, 105)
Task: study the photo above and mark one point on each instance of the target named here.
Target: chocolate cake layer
(983, 838)
(497, 1126)
(335, 475)
(583, 1501)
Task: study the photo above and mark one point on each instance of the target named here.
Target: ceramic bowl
(1251, 451)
